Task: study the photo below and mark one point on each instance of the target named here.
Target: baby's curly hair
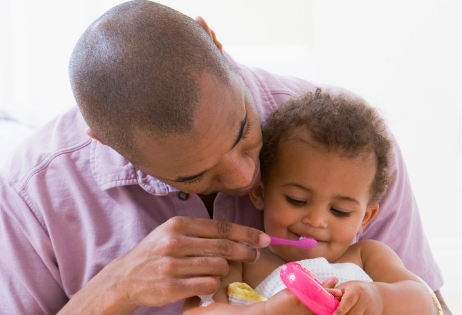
(340, 123)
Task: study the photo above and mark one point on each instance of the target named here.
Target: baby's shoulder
(371, 245)
(359, 251)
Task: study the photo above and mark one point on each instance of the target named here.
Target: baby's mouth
(300, 237)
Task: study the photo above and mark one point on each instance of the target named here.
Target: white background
(403, 56)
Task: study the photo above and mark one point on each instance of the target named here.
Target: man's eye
(246, 131)
(195, 180)
(340, 213)
(295, 202)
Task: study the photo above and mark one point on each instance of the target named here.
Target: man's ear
(371, 211)
(91, 134)
(257, 196)
(209, 31)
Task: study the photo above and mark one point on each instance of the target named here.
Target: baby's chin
(290, 253)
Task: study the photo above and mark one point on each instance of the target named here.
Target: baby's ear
(371, 212)
(257, 196)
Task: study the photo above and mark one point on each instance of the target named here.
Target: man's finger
(187, 287)
(192, 246)
(187, 267)
(206, 228)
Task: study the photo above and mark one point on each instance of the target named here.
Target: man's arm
(278, 304)
(181, 258)
(29, 276)
(398, 224)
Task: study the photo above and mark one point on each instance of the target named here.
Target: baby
(324, 166)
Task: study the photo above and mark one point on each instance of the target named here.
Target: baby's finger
(336, 293)
(346, 304)
(330, 283)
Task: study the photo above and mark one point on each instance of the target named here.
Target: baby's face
(317, 194)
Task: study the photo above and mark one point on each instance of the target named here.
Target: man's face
(221, 151)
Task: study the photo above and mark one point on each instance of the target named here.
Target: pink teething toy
(308, 289)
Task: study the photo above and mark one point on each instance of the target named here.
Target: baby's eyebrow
(346, 198)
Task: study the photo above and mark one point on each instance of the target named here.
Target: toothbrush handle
(280, 241)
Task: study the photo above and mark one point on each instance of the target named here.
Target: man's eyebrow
(182, 179)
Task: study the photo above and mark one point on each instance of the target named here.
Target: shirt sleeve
(398, 225)
(29, 276)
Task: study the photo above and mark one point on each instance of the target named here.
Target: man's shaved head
(136, 69)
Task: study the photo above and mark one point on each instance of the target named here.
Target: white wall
(402, 56)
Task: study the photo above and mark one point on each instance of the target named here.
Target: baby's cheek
(275, 222)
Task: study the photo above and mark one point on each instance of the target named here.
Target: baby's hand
(330, 284)
(359, 297)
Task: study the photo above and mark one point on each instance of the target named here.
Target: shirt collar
(110, 169)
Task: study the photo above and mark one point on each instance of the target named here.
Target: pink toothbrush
(305, 242)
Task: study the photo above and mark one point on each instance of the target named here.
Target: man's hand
(181, 258)
(184, 257)
(283, 301)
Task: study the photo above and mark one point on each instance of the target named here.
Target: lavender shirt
(69, 206)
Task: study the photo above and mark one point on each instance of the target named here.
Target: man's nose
(240, 171)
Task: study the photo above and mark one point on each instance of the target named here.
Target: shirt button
(183, 195)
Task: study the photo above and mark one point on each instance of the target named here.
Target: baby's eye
(295, 202)
(340, 213)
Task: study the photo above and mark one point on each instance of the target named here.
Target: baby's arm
(276, 305)
(395, 289)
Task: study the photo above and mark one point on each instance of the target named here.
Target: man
(106, 209)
